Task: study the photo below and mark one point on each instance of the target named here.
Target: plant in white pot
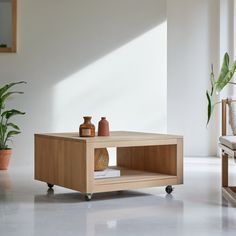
(7, 128)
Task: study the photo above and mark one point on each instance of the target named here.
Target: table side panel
(61, 162)
(158, 159)
(89, 168)
(180, 162)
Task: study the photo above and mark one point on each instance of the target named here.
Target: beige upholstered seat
(228, 141)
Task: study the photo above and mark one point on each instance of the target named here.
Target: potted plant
(225, 77)
(7, 128)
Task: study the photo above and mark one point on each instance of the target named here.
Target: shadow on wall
(58, 39)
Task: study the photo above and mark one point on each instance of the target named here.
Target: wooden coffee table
(145, 160)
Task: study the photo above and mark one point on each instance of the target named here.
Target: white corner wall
(99, 58)
(109, 58)
(227, 38)
(193, 44)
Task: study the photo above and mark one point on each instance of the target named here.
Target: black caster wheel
(50, 185)
(88, 196)
(169, 189)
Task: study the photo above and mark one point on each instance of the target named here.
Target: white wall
(193, 44)
(227, 28)
(227, 45)
(109, 58)
(234, 26)
(99, 58)
(227, 37)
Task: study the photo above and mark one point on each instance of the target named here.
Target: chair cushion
(228, 141)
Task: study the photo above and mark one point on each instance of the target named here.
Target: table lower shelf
(131, 179)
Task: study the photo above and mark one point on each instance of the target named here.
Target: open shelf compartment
(141, 166)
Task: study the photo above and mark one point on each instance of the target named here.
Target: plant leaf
(223, 72)
(3, 128)
(232, 70)
(5, 96)
(226, 74)
(8, 114)
(209, 108)
(8, 86)
(13, 126)
(225, 67)
(212, 79)
(11, 133)
(221, 84)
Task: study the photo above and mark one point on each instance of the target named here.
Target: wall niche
(8, 25)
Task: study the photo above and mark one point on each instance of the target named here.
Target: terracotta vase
(103, 127)
(5, 158)
(87, 129)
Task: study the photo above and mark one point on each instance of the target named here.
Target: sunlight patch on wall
(128, 86)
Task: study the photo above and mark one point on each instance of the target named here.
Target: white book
(107, 173)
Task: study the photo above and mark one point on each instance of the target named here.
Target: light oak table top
(115, 136)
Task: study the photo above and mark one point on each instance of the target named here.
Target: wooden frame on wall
(13, 47)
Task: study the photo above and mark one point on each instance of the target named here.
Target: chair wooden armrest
(229, 192)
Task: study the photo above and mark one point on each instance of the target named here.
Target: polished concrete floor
(195, 208)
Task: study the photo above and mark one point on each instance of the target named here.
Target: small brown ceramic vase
(5, 158)
(87, 129)
(103, 127)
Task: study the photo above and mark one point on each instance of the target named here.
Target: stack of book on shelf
(107, 173)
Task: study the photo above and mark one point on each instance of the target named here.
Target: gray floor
(196, 208)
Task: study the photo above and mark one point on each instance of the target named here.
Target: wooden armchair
(228, 147)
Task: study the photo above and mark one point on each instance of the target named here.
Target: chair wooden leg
(225, 170)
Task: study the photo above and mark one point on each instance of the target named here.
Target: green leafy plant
(7, 128)
(225, 77)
